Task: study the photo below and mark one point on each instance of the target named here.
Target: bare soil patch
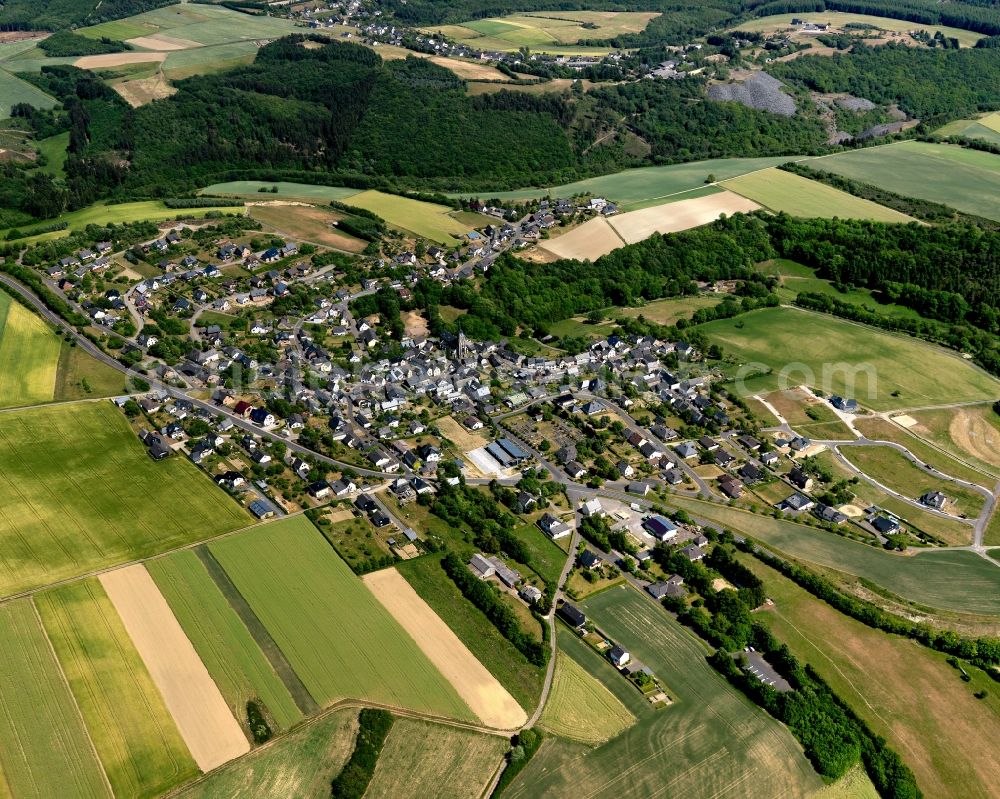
(481, 691)
(904, 421)
(681, 215)
(975, 435)
(202, 716)
(414, 324)
(117, 60)
(144, 90)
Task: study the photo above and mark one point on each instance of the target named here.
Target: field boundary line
(69, 689)
(268, 646)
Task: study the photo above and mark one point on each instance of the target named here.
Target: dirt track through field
(488, 698)
(202, 716)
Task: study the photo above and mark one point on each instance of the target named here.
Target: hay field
(78, 493)
(711, 742)
(424, 759)
(837, 19)
(968, 180)
(945, 736)
(53, 755)
(108, 60)
(301, 191)
(132, 730)
(778, 191)
(548, 31)
(983, 126)
(638, 188)
(306, 223)
(13, 90)
(582, 709)
(470, 70)
(341, 642)
(588, 242)
(211, 733)
(680, 215)
(853, 360)
(222, 641)
(946, 580)
(969, 433)
(855, 784)
(480, 690)
(29, 356)
(143, 90)
(300, 764)
(413, 216)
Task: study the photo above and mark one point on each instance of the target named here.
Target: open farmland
(81, 376)
(487, 698)
(78, 492)
(946, 737)
(895, 471)
(881, 370)
(947, 580)
(639, 188)
(985, 126)
(547, 32)
(710, 742)
(969, 433)
(588, 242)
(132, 730)
(838, 19)
(306, 223)
(205, 722)
(13, 90)
(424, 759)
(261, 190)
(341, 642)
(300, 764)
(581, 708)
(53, 755)
(223, 642)
(29, 356)
(413, 216)
(968, 180)
(782, 191)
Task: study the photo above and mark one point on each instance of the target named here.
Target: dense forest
(67, 43)
(62, 14)
(927, 84)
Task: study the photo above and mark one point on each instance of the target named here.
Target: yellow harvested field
(487, 698)
(144, 90)
(469, 70)
(590, 241)
(117, 60)
(160, 42)
(681, 215)
(459, 435)
(203, 718)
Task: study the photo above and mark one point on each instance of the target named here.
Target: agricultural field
(855, 784)
(581, 708)
(945, 737)
(599, 236)
(338, 638)
(78, 493)
(837, 19)
(53, 755)
(413, 216)
(887, 371)
(132, 730)
(711, 741)
(13, 90)
(894, 470)
(299, 764)
(81, 376)
(779, 191)
(222, 641)
(983, 126)
(424, 759)
(209, 729)
(29, 356)
(968, 180)
(480, 690)
(260, 190)
(642, 187)
(668, 312)
(546, 32)
(496, 653)
(946, 580)
(972, 432)
(306, 223)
